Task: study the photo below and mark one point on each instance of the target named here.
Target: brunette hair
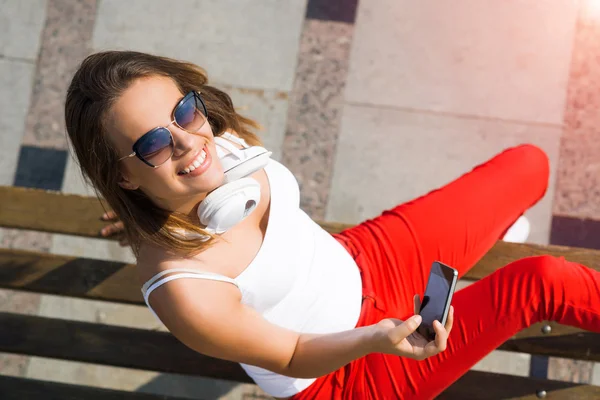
(99, 81)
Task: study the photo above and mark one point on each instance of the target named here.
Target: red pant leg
(488, 313)
(456, 225)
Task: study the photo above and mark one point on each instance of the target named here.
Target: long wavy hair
(99, 81)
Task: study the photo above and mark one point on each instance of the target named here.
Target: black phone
(435, 303)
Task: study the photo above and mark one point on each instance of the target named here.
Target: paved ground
(389, 97)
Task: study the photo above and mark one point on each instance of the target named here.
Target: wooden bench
(39, 210)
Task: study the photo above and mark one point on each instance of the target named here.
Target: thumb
(403, 330)
(417, 303)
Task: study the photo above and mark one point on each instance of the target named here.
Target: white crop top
(301, 278)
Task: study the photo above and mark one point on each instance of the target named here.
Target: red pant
(457, 225)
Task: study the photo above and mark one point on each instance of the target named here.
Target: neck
(186, 206)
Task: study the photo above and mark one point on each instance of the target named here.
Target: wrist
(376, 339)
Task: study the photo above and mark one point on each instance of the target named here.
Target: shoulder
(153, 260)
(149, 263)
(193, 288)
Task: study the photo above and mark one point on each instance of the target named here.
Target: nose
(183, 141)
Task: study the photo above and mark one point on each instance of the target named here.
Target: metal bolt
(541, 394)
(546, 329)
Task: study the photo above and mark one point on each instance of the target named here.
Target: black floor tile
(41, 168)
(575, 232)
(332, 10)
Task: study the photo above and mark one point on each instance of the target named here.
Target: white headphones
(239, 195)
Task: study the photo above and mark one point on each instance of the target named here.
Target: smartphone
(435, 303)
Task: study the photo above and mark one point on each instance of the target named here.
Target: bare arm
(208, 317)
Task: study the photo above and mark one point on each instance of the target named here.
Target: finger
(403, 330)
(441, 336)
(109, 215)
(107, 230)
(417, 303)
(450, 320)
(112, 228)
(431, 349)
(123, 242)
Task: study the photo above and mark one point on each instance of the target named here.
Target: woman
(307, 314)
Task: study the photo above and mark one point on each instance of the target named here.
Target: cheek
(149, 178)
(160, 177)
(206, 130)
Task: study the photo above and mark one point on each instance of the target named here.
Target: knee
(543, 269)
(535, 161)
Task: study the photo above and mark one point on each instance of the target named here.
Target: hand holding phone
(435, 304)
(421, 339)
(400, 337)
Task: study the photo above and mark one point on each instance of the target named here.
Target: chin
(209, 182)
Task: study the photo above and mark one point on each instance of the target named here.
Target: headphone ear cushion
(257, 158)
(229, 204)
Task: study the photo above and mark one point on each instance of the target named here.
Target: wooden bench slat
(479, 385)
(69, 276)
(55, 212)
(162, 352)
(109, 345)
(105, 280)
(159, 351)
(577, 346)
(473, 385)
(47, 211)
(503, 253)
(116, 282)
(78, 276)
(14, 388)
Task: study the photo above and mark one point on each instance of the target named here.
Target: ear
(127, 184)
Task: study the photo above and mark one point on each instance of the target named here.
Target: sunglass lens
(155, 146)
(188, 116)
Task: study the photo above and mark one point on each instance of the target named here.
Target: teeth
(195, 164)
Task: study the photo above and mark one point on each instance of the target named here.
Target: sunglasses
(156, 147)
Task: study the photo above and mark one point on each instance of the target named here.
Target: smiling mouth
(195, 163)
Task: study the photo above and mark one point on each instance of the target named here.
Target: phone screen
(437, 293)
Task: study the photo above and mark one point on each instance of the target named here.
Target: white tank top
(301, 278)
